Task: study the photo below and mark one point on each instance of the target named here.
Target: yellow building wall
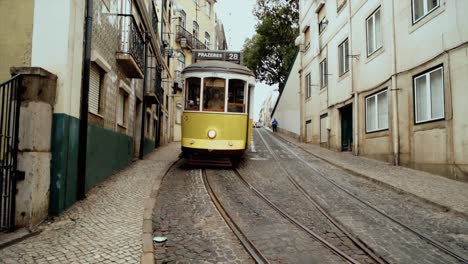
(15, 35)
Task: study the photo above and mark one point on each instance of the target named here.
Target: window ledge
(374, 54)
(96, 114)
(425, 19)
(377, 133)
(344, 76)
(430, 124)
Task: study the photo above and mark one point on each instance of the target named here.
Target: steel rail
(294, 221)
(360, 244)
(436, 244)
(246, 243)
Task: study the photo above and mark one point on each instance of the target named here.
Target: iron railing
(198, 44)
(9, 123)
(154, 21)
(183, 33)
(158, 89)
(131, 39)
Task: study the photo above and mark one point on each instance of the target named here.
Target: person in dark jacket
(274, 124)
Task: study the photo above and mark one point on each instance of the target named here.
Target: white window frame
(308, 86)
(323, 73)
(208, 8)
(207, 40)
(344, 57)
(322, 25)
(427, 76)
(196, 29)
(375, 46)
(425, 10)
(376, 110)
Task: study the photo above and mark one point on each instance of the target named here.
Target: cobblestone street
(190, 222)
(194, 229)
(106, 227)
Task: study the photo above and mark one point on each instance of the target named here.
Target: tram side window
(236, 101)
(214, 92)
(192, 94)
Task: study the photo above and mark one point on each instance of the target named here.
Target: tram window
(192, 94)
(236, 101)
(214, 92)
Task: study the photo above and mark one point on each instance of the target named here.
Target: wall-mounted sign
(231, 56)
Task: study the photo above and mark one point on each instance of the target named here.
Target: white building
(385, 79)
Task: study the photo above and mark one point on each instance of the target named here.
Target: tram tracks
(248, 244)
(422, 236)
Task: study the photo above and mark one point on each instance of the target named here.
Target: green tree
(270, 52)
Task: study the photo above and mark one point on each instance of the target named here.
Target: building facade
(128, 106)
(385, 79)
(287, 107)
(195, 27)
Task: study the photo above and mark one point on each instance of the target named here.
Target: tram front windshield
(214, 95)
(214, 92)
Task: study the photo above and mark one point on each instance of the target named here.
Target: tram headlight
(211, 134)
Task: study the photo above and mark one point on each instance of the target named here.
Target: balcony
(156, 92)
(197, 44)
(130, 54)
(154, 21)
(182, 35)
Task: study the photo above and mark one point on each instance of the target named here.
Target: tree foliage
(270, 52)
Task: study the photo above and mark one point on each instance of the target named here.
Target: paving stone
(184, 210)
(108, 223)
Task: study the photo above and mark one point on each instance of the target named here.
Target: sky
(239, 24)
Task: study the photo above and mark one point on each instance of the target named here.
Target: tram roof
(218, 66)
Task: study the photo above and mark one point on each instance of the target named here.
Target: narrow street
(285, 200)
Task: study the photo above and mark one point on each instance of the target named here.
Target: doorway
(346, 128)
(137, 127)
(308, 131)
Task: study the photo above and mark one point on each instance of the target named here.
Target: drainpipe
(143, 104)
(353, 90)
(394, 90)
(83, 136)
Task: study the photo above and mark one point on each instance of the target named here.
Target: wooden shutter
(94, 88)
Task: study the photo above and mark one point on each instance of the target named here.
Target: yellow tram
(217, 117)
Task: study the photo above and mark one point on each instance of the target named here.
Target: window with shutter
(95, 88)
(322, 20)
(307, 38)
(340, 4)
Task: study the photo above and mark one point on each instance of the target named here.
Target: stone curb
(374, 180)
(149, 204)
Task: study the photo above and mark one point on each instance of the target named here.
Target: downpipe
(84, 104)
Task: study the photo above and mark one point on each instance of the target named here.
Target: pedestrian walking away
(274, 124)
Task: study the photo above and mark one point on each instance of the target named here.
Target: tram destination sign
(231, 56)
